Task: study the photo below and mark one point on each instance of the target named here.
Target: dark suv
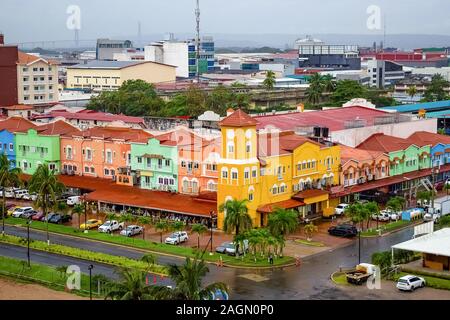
(343, 230)
(59, 218)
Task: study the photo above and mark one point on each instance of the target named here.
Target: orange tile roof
(16, 124)
(116, 133)
(423, 138)
(238, 119)
(348, 153)
(310, 194)
(18, 107)
(384, 143)
(287, 204)
(25, 58)
(57, 128)
(280, 144)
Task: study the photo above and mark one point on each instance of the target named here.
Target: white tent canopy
(437, 243)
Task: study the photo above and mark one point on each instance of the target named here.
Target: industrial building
(106, 48)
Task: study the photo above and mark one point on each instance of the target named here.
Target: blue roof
(419, 106)
(438, 114)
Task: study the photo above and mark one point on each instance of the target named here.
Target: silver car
(131, 231)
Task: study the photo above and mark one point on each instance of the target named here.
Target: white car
(29, 197)
(20, 211)
(20, 193)
(10, 192)
(431, 217)
(71, 201)
(110, 226)
(382, 216)
(340, 209)
(131, 231)
(177, 237)
(410, 283)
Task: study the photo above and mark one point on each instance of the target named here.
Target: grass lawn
(150, 245)
(309, 243)
(41, 274)
(432, 282)
(85, 254)
(386, 228)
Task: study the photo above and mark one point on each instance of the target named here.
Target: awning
(311, 196)
(287, 204)
(436, 243)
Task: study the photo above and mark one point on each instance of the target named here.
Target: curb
(332, 278)
(393, 231)
(151, 251)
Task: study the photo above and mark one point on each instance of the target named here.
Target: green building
(41, 145)
(156, 164)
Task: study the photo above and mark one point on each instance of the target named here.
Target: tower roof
(238, 119)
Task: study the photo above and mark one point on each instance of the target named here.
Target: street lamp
(90, 280)
(28, 241)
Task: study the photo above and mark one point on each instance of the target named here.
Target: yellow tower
(239, 168)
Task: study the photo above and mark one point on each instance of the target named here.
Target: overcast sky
(39, 20)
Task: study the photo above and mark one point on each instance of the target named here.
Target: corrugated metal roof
(418, 106)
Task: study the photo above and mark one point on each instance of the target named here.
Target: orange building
(102, 152)
(197, 160)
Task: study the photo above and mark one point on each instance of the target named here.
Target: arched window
(224, 173)
(274, 189)
(234, 174)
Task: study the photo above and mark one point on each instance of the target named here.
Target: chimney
(2, 39)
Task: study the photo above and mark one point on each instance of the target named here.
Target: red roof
(18, 107)
(25, 58)
(114, 133)
(91, 115)
(238, 119)
(349, 153)
(384, 143)
(334, 119)
(16, 124)
(280, 144)
(57, 128)
(423, 138)
(287, 204)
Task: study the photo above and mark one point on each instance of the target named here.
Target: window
(148, 162)
(248, 147)
(230, 147)
(88, 154)
(68, 153)
(183, 164)
(41, 69)
(246, 174)
(35, 69)
(25, 69)
(225, 174)
(11, 147)
(86, 169)
(196, 165)
(92, 170)
(106, 172)
(254, 173)
(51, 166)
(275, 189)
(167, 162)
(250, 196)
(139, 159)
(234, 175)
(160, 163)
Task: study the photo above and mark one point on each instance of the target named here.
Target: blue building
(206, 61)
(8, 128)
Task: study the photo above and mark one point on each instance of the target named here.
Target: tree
(199, 229)
(328, 83)
(188, 281)
(310, 229)
(396, 204)
(162, 226)
(237, 218)
(9, 177)
(424, 196)
(315, 89)
(195, 101)
(436, 89)
(47, 188)
(126, 218)
(355, 213)
(150, 259)
(270, 80)
(133, 287)
(78, 209)
(144, 221)
(347, 90)
(372, 208)
(412, 91)
(282, 222)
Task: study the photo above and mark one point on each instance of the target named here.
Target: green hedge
(85, 254)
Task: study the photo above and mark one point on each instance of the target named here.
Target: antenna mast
(197, 16)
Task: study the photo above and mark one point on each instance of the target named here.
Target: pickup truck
(111, 226)
(361, 274)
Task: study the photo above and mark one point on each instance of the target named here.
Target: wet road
(310, 281)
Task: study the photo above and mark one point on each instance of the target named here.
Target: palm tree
(282, 222)
(199, 229)
(162, 226)
(310, 229)
(412, 91)
(126, 218)
(144, 221)
(133, 287)
(150, 259)
(78, 209)
(315, 90)
(188, 280)
(328, 83)
(354, 212)
(270, 81)
(46, 186)
(237, 218)
(372, 208)
(9, 177)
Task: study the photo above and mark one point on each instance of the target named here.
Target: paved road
(310, 281)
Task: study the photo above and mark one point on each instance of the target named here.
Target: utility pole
(197, 42)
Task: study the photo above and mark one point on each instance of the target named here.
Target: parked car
(71, 201)
(382, 216)
(18, 212)
(231, 250)
(110, 226)
(29, 197)
(131, 231)
(38, 216)
(91, 224)
(340, 209)
(20, 193)
(12, 209)
(10, 192)
(431, 217)
(177, 238)
(49, 216)
(29, 214)
(410, 283)
(59, 218)
(343, 230)
(361, 274)
(224, 246)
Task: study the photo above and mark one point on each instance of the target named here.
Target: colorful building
(103, 152)
(274, 169)
(404, 156)
(8, 128)
(156, 164)
(440, 146)
(41, 145)
(360, 166)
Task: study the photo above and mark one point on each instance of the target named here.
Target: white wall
(173, 53)
(353, 137)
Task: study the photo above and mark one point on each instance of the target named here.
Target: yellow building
(274, 170)
(109, 75)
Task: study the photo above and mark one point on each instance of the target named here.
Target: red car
(38, 216)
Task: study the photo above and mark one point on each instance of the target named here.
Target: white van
(73, 200)
(20, 193)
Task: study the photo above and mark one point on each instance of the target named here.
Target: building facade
(8, 128)
(106, 48)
